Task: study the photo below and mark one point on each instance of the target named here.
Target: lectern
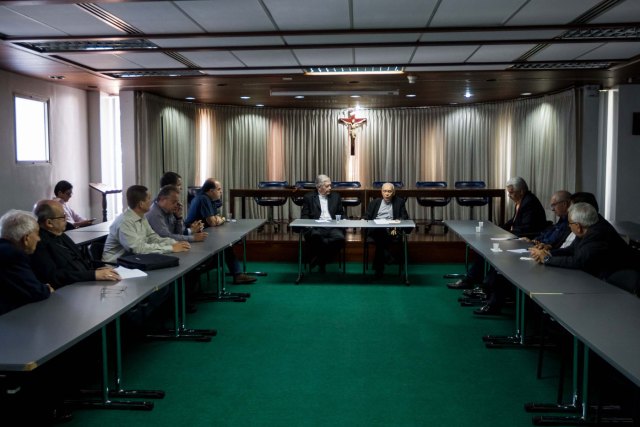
(104, 189)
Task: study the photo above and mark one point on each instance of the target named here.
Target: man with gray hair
(529, 217)
(18, 284)
(322, 204)
(598, 249)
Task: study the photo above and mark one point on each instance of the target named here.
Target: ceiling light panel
(153, 17)
(257, 71)
(473, 36)
(281, 92)
(493, 67)
(89, 46)
(354, 70)
(139, 74)
(563, 66)
(591, 33)
(314, 57)
(223, 16)
(326, 14)
(547, 12)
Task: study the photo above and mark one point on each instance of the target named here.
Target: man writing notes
(386, 207)
(322, 204)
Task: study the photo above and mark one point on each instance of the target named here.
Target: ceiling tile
(153, 17)
(459, 68)
(460, 13)
(627, 11)
(67, 19)
(218, 42)
(266, 72)
(223, 16)
(112, 61)
(152, 60)
(213, 59)
(325, 14)
(620, 50)
(564, 51)
(500, 53)
(392, 14)
(353, 38)
(547, 12)
(490, 35)
(383, 56)
(266, 58)
(15, 25)
(311, 57)
(442, 54)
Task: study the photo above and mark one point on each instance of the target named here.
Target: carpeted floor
(335, 351)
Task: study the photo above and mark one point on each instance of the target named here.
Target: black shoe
(61, 415)
(474, 293)
(460, 284)
(486, 310)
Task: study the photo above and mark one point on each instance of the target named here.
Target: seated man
(131, 232)
(204, 208)
(165, 217)
(57, 260)
(63, 192)
(386, 207)
(529, 219)
(598, 249)
(18, 284)
(324, 242)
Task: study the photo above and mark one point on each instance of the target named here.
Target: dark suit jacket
(530, 219)
(600, 252)
(58, 261)
(311, 206)
(18, 284)
(398, 208)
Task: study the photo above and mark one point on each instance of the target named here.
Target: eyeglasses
(553, 205)
(58, 217)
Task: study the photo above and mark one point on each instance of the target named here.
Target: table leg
(406, 261)
(300, 274)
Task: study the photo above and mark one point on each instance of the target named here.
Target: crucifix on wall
(352, 123)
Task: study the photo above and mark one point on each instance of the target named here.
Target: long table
(35, 333)
(310, 223)
(364, 195)
(586, 306)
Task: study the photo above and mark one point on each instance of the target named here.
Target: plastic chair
(471, 202)
(378, 184)
(299, 200)
(432, 203)
(271, 202)
(348, 202)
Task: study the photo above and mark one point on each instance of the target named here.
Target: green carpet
(335, 351)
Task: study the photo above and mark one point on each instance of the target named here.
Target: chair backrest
(299, 200)
(627, 279)
(432, 201)
(95, 250)
(271, 201)
(471, 201)
(378, 184)
(348, 201)
(192, 192)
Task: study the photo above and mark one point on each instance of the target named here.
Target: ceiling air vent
(563, 66)
(88, 46)
(602, 33)
(136, 74)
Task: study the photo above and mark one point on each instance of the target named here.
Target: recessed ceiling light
(299, 97)
(468, 94)
(410, 95)
(354, 96)
(525, 94)
(259, 105)
(190, 98)
(245, 97)
(332, 71)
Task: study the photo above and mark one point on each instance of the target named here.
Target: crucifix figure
(352, 123)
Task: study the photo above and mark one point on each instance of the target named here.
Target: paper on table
(322, 220)
(501, 238)
(129, 273)
(386, 221)
(526, 258)
(518, 251)
(496, 250)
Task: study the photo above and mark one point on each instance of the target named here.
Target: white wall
(627, 170)
(23, 185)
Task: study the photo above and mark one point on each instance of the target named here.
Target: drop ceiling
(218, 51)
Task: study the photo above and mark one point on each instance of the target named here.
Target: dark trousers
(383, 240)
(324, 243)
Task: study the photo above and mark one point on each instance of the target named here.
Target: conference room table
(313, 223)
(364, 195)
(570, 297)
(35, 333)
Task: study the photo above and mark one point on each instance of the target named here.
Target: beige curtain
(534, 138)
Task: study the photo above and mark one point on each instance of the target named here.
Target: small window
(32, 129)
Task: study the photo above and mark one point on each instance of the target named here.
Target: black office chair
(299, 199)
(95, 253)
(192, 192)
(378, 184)
(471, 202)
(271, 202)
(348, 202)
(432, 203)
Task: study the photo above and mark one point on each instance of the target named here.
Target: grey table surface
(350, 223)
